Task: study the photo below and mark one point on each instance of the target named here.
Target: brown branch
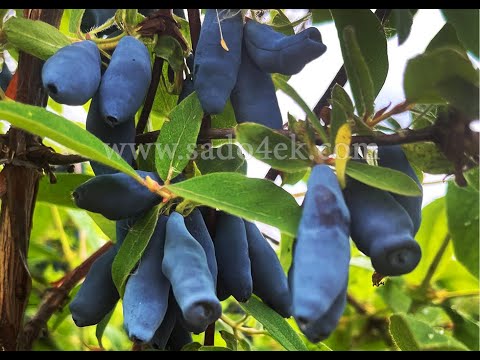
(18, 200)
(403, 137)
(150, 98)
(341, 77)
(195, 26)
(55, 297)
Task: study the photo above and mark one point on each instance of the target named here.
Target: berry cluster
(185, 271)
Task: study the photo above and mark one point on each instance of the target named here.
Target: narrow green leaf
(424, 72)
(403, 21)
(230, 340)
(273, 148)
(101, 326)
(245, 345)
(276, 325)
(342, 110)
(472, 177)
(447, 36)
(169, 49)
(107, 226)
(252, 199)
(193, 346)
(383, 178)
(225, 158)
(61, 192)
(132, 248)
(433, 230)
(281, 84)
(321, 16)
(358, 73)
(39, 121)
(281, 22)
(213, 348)
(291, 178)
(465, 328)
(371, 41)
(178, 138)
(411, 334)
(76, 16)
(35, 37)
(428, 158)
(462, 94)
(466, 22)
(226, 119)
(462, 215)
(286, 251)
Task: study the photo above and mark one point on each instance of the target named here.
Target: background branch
(55, 297)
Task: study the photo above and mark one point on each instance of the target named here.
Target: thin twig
(195, 26)
(55, 298)
(149, 99)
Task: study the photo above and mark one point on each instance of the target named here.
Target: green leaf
(132, 248)
(226, 119)
(403, 21)
(286, 251)
(178, 138)
(291, 178)
(462, 215)
(213, 348)
(358, 73)
(411, 334)
(472, 177)
(341, 111)
(430, 236)
(465, 329)
(163, 104)
(276, 325)
(383, 178)
(466, 22)
(447, 36)
(435, 69)
(76, 16)
(395, 295)
(281, 84)
(252, 199)
(169, 49)
(462, 94)
(39, 121)
(273, 148)
(244, 344)
(321, 16)
(35, 37)
(428, 158)
(61, 192)
(101, 326)
(282, 23)
(194, 346)
(225, 158)
(108, 227)
(230, 340)
(371, 41)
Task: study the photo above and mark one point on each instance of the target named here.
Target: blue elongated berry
(198, 229)
(253, 97)
(231, 252)
(125, 82)
(98, 295)
(381, 229)
(121, 138)
(72, 75)
(322, 328)
(215, 69)
(393, 157)
(185, 265)
(322, 249)
(93, 18)
(146, 293)
(269, 280)
(116, 196)
(274, 52)
(178, 338)
(162, 334)
(5, 77)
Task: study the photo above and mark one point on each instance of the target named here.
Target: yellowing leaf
(342, 149)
